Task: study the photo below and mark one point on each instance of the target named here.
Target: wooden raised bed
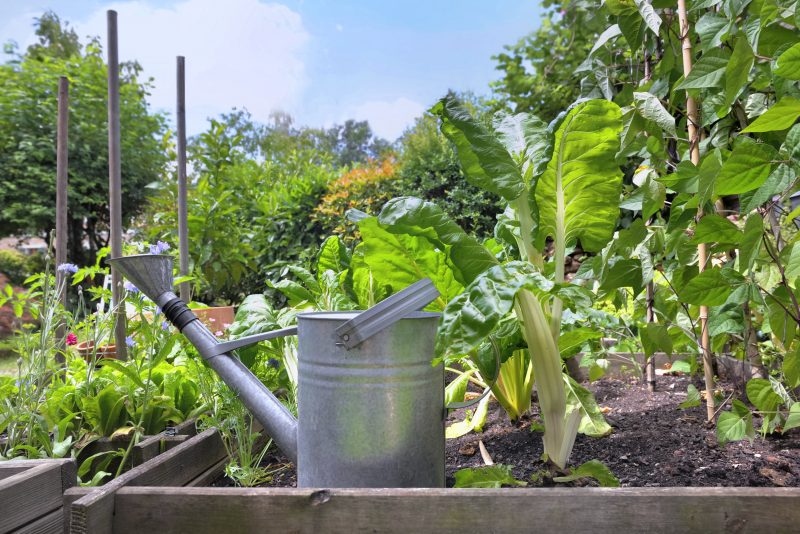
(197, 460)
(231, 510)
(31, 494)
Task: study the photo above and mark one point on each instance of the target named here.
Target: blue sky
(322, 61)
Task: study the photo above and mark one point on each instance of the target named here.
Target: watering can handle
(227, 346)
(386, 312)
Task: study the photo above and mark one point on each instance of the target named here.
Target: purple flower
(67, 268)
(130, 287)
(275, 364)
(164, 325)
(130, 342)
(158, 310)
(159, 248)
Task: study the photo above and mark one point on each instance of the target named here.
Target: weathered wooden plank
(153, 446)
(52, 523)
(649, 510)
(70, 496)
(69, 471)
(30, 494)
(93, 513)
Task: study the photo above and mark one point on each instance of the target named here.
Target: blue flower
(67, 268)
(164, 325)
(130, 342)
(158, 310)
(159, 248)
(275, 364)
(130, 287)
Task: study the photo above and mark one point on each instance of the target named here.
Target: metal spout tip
(150, 273)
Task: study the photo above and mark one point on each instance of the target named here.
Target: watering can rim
(350, 314)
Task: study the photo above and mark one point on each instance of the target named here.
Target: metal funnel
(150, 273)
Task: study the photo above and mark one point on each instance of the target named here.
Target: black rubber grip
(178, 313)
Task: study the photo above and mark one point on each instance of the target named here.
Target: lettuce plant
(562, 186)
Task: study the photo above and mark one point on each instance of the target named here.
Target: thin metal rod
(692, 123)
(183, 225)
(62, 167)
(115, 182)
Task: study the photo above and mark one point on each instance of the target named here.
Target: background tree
(28, 107)
(540, 71)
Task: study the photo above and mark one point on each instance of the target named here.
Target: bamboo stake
(650, 367)
(62, 166)
(692, 123)
(114, 184)
(183, 225)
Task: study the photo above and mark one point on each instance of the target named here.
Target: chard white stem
(546, 362)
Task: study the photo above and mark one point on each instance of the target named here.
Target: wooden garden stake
(692, 122)
(183, 226)
(62, 166)
(115, 185)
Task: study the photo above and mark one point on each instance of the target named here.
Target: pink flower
(72, 339)
(212, 320)
(218, 333)
(226, 325)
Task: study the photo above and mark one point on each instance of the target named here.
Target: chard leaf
(578, 194)
(736, 424)
(457, 389)
(475, 313)
(579, 398)
(490, 476)
(423, 219)
(779, 117)
(592, 469)
(399, 260)
(526, 137)
(485, 161)
(333, 256)
(649, 15)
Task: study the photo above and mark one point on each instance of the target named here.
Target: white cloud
(239, 53)
(389, 118)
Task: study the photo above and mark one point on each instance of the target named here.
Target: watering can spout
(152, 275)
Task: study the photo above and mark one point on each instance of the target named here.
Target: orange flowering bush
(366, 187)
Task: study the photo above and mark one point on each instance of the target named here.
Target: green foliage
(490, 476)
(15, 265)
(594, 469)
(248, 219)
(27, 139)
(429, 169)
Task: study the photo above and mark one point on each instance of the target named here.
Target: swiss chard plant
(562, 186)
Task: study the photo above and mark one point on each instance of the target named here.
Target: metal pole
(114, 183)
(183, 228)
(62, 166)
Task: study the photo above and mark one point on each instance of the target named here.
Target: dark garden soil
(654, 443)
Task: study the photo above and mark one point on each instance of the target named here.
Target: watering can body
(370, 404)
(372, 415)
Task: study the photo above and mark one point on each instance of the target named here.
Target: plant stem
(692, 122)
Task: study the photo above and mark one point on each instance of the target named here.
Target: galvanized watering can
(370, 405)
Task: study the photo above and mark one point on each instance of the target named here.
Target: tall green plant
(560, 181)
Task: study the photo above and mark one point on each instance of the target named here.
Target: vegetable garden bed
(31, 494)
(233, 510)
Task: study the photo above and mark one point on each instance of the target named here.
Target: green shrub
(14, 265)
